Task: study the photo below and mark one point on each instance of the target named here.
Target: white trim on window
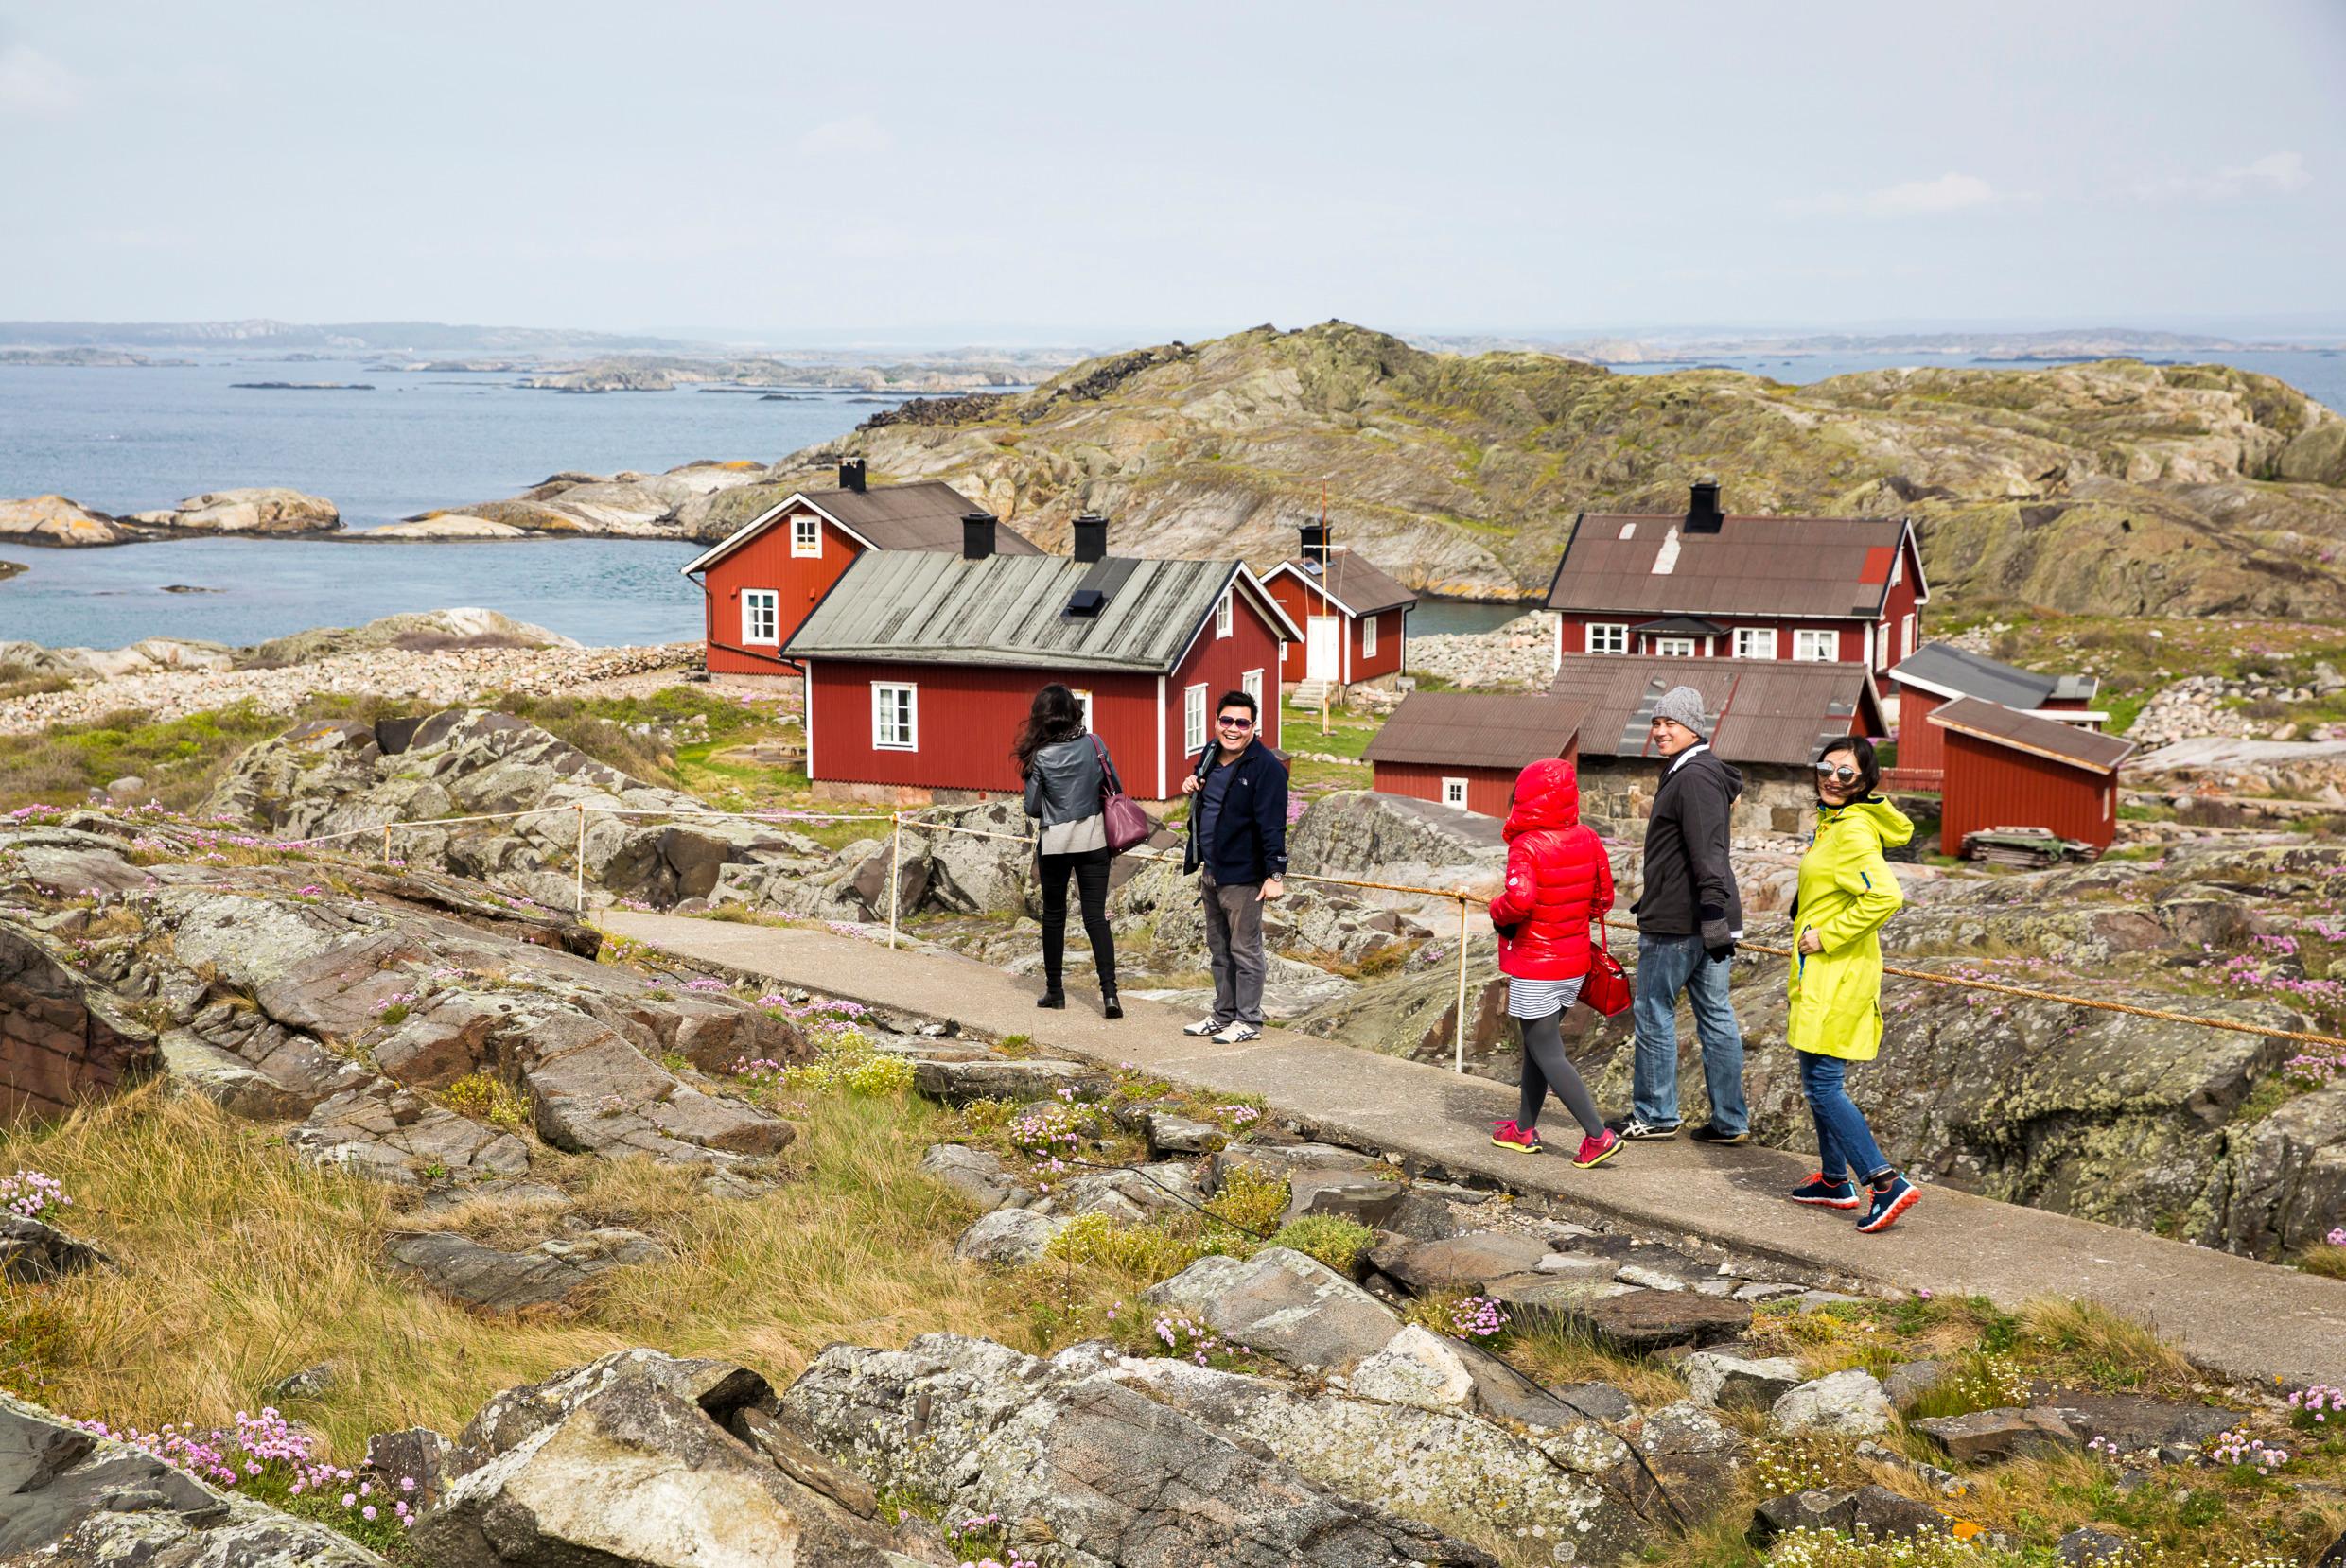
(895, 716)
(1810, 646)
(1252, 684)
(1223, 614)
(1906, 636)
(1454, 793)
(1674, 648)
(1083, 701)
(806, 537)
(1608, 636)
(762, 617)
(1193, 719)
(1880, 638)
(1368, 636)
(1754, 642)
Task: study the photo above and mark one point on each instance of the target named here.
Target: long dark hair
(1868, 771)
(1056, 716)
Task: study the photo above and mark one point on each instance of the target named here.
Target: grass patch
(2325, 1258)
(1340, 1243)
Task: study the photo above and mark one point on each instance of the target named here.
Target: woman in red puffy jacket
(1559, 879)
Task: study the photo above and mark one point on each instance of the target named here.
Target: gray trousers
(1233, 940)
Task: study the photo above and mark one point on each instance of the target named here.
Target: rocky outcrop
(555, 1272)
(63, 1040)
(54, 520)
(267, 511)
(32, 1252)
(1395, 839)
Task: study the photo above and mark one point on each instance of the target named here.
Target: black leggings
(1546, 1067)
(1089, 867)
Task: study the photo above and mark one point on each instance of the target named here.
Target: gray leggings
(1546, 1067)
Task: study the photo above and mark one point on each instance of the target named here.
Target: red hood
(1548, 794)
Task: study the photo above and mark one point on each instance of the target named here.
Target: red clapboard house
(1465, 748)
(1710, 585)
(1940, 673)
(759, 583)
(921, 666)
(1355, 618)
(2007, 769)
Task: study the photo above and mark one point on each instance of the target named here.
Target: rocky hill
(2113, 487)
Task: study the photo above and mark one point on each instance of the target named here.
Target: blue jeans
(1666, 967)
(1845, 1144)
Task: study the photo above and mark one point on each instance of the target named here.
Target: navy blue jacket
(1251, 829)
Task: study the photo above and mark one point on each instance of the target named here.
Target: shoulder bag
(1121, 817)
(1607, 988)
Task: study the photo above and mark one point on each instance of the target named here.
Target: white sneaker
(1203, 1026)
(1237, 1033)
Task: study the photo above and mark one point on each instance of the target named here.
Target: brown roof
(1832, 568)
(2046, 738)
(912, 516)
(1765, 711)
(1352, 584)
(1477, 729)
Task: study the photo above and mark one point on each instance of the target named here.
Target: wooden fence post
(1458, 1053)
(895, 864)
(578, 865)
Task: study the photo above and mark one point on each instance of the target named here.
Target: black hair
(1056, 716)
(1868, 770)
(1239, 699)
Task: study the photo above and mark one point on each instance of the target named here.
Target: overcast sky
(1046, 172)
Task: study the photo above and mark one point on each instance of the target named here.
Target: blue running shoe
(1888, 1203)
(1827, 1195)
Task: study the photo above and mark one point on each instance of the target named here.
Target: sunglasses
(1228, 722)
(1843, 773)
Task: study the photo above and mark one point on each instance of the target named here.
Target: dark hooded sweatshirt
(1689, 882)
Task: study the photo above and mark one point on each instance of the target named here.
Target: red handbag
(1121, 817)
(1607, 988)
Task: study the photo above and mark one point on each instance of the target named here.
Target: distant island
(2060, 345)
(301, 386)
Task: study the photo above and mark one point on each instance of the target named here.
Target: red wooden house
(2007, 769)
(1465, 748)
(1355, 618)
(1940, 673)
(921, 666)
(1707, 584)
(762, 580)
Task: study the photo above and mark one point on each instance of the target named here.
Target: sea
(129, 439)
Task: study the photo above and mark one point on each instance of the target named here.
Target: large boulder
(267, 510)
(1848, 1404)
(1109, 1477)
(1293, 1309)
(55, 520)
(1395, 839)
(63, 1039)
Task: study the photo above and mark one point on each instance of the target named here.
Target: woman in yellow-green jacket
(1846, 894)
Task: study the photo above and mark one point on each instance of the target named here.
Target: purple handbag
(1121, 817)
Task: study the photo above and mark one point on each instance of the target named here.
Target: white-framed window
(1674, 648)
(1193, 719)
(1882, 645)
(1754, 642)
(1368, 636)
(1907, 635)
(1611, 637)
(1083, 703)
(1222, 616)
(761, 616)
(1454, 793)
(895, 716)
(806, 536)
(1809, 646)
(1252, 684)
(1898, 565)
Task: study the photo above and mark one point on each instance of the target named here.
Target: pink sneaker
(1522, 1140)
(1597, 1150)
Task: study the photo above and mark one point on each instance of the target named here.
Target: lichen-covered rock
(32, 1252)
(1847, 1403)
(270, 510)
(555, 1272)
(975, 1174)
(1012, 1237)
(1291, 1308)
(1727, 1382)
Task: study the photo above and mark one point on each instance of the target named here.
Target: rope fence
(898, 822)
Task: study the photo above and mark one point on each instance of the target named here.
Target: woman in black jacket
(1066, 771)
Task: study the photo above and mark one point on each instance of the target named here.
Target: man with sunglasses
(1238, 843)
(1690, 917)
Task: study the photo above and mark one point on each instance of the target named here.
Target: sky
(1044, 172)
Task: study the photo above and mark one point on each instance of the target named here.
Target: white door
(1321, 637)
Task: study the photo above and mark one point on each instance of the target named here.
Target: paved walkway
(2241, 1317)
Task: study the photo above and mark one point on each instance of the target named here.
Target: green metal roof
(1011, 611)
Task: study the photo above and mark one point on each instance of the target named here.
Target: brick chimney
(977, 535)
(851, 475)
(1702, 513)
(1090, 537)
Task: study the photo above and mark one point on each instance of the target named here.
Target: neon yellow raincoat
(1846, 893)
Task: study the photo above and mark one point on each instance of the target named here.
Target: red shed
(1355, 618)
(1940, 673)
(1465, 748)
(764, 577)
(921, 666)
(2008, 769)
(1710, 585)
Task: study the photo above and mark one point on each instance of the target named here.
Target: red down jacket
(1559, 878)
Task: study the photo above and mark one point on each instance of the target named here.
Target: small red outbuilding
(1355, 618)
(2008, 769)
(1465, 748)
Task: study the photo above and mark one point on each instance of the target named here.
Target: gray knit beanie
(1684, 705)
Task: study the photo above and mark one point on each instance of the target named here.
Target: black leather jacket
(1063, 784)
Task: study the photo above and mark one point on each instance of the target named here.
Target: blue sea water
(130, 438)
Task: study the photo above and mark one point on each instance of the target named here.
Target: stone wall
(57, 1050)
(1617, 795)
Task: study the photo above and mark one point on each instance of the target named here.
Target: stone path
(2238, 1316)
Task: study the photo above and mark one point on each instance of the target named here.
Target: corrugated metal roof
(1010, 611)
(1763, 711)
(1828, 568)
(1477, 729)
(1944, 670)
(1355, 584)
(2046, 738)
(913, 516)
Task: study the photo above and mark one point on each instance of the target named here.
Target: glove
(1718, 941)
(1719, 955)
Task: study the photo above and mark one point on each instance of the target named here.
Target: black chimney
(1090, 537)
(1702, 513)
(1316, 543)
(977, 535)
(852, 476)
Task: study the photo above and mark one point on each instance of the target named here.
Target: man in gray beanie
(1690, 917)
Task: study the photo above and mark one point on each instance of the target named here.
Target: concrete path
(2238, 1316)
